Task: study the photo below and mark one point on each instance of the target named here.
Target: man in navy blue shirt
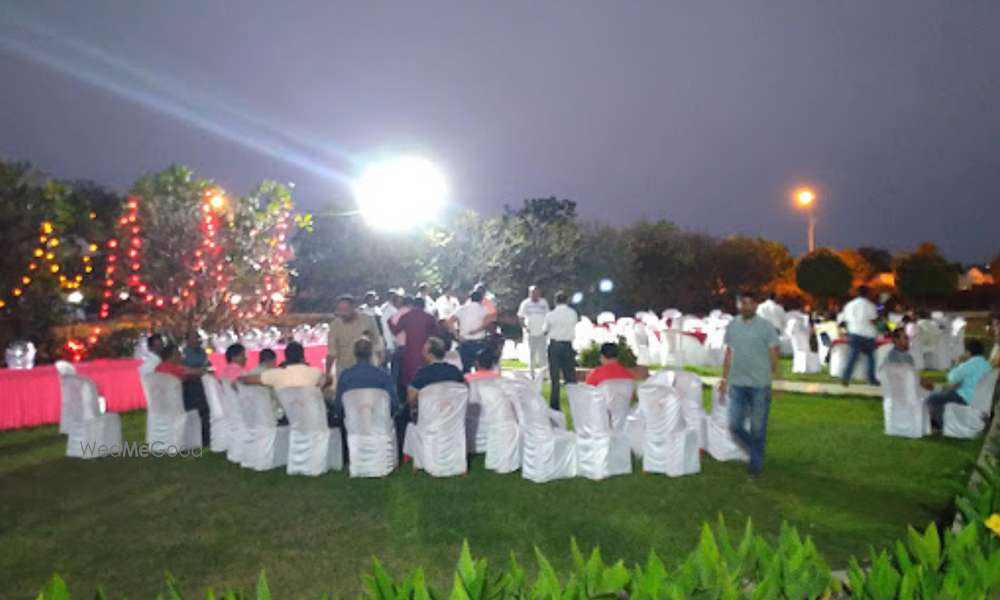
(365, 375)
(435, 371)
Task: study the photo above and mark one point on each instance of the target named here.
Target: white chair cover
(371, 433)
(313, 447)
(618, 393)
(690, 388)
(804, 360)
(721, 444)
(601, 452)
(234, 422)
(549, 452)
(535, 386)
(503, 435)
(167, 423)
(90, 429)
(905, 412)
(221, 430)
(65, 368)
(839, 355)
(437, 441)
(265, 445)
(475, 419)
(968, 421)
(668, 445)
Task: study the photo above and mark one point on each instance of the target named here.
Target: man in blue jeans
(860, 315)
(750, 365)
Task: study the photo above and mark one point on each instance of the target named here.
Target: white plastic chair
(548, 452)
(503, 435)
(721, 445)
(265, 445)
(475, 419)
(220, 428)
(167, 423)
(904, 410)
(968, 421)
(313, 447)
(437, 441)
(91, 429)
(371, 433)
(668, 445)
(601, 452)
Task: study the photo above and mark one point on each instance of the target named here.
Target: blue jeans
(755, 403)
(860, 345)
(468, 352)
(937, 402)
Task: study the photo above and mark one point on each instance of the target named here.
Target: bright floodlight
(75, 298)
(577, 298)
(806, 197)
(400, 194)
(606, 286)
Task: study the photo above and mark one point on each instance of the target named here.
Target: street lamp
(806, 198)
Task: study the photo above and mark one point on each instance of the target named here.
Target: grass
(122, 522)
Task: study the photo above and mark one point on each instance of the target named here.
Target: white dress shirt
(471, 317)
(858, 314)
(560, 324)
(534, 313)
(387, 311)
(447, 306)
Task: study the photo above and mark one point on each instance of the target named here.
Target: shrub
(590, 358)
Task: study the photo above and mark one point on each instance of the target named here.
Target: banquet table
(33, 397)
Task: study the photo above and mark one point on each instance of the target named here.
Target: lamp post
(805, 199)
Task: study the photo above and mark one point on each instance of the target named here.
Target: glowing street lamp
(400, 194)
(806, 198)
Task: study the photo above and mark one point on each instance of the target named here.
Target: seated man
(485, 361)
(194, 392)
(155, 345)
(267, 360)
(236, 363)
(900, 353)
(295, 372)
(365, 375)
(610, 367)
(435, 371)
(962, 380)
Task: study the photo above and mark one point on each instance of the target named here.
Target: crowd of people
(409, 342)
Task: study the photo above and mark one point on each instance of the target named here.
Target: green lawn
(123, 522)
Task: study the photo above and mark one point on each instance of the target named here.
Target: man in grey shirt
(750, 365)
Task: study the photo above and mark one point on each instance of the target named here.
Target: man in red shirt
(194, 393)
(610, 367)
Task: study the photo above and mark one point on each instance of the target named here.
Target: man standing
(772, 312)
(751, 363)
(447, 304)
(370, 307)
(412, 330)
(473, 319)
(860, 315)
(532, 313)
(430, 304)
(560, 326)
(348, 328)
(155, 345)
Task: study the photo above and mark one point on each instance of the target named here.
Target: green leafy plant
(590, 358)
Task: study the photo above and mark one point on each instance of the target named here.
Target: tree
(746, 263)
(537, 243)
(189, 255)
(603, 256)
(879, 258)
(861, 270)
(925, 276)
(823, 274)
(669, 268)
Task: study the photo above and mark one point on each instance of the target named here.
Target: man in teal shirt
(962, 380)
(750, 365)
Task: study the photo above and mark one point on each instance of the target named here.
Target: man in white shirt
(153, 360)
(370, 307)
(532, 313)
(430, 304)
(447, 304)
(560, 326)
(472, 320)
(860, 316)
(392, 303)
(772, 312)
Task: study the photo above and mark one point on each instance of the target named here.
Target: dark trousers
(562, 360)
(468, 352)
(404, 416)
(937, 401)
(195, 399)
(860, 345)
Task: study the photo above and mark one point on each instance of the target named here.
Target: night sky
(705, 113)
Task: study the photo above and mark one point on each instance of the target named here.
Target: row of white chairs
(907, 414)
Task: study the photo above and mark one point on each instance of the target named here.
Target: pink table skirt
(32, 397)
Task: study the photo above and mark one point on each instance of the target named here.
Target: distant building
(973, 277)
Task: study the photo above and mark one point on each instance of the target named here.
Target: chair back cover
(475, 419)
(441, 414)
(309, 435)
(904, 411)
(221, 430)
(589, 408)
(65, 368)
(618, 393)
(547, 452)
(371, 434)
(601, 451)
(91, 429)
(166, 420)
(503, 435)
(265, 445)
